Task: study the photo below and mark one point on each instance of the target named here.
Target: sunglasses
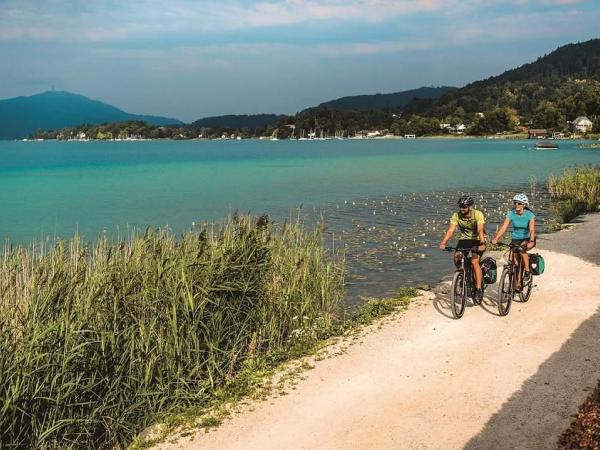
(463, 207)
(519, 203)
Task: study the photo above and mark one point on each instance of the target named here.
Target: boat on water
(546, 145)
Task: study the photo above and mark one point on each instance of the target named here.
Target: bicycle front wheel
(458, 295)
(505, 292)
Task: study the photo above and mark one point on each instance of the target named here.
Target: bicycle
(506, 287)
(463, 282)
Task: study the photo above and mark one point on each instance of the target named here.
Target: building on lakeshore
(537, 133)
(581, 125)
(461, 128)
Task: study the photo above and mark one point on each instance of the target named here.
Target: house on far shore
(460, 128)
(582, 125)
(537, 133)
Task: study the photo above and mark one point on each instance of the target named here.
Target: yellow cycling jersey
(468, 226)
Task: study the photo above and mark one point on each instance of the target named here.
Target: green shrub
(96, 339)
(577, 191)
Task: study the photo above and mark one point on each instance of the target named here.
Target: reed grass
(578, 191)
(96, 339)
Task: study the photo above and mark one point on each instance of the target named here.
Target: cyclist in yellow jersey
(472, 234)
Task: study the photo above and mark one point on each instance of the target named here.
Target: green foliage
(254, 379)
(547, 93)
(237, 122)
(548, 115)
(393, 101)
(578, 191)
(495, 121)
(96, 339)
(376, 308)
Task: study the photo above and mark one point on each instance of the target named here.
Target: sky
(191, 59)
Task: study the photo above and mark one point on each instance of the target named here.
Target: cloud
(562, 2)
(518, 26)
(373, 48)
(107, 21)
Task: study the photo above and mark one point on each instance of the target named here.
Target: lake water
(386, 200)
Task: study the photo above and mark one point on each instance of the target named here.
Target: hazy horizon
(189, 60)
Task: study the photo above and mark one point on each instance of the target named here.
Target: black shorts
(468, 244)
(520, 242)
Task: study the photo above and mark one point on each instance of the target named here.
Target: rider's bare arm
(447, 236)
(481, 235)
(481, 231)
(501, 231)
(531, 243)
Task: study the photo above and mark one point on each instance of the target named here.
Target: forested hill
(580, 60)
(54, 110)
(556, 87)
(394, 100)
(238, 121)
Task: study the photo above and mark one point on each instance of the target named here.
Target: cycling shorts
(469, 243)
(522, 242)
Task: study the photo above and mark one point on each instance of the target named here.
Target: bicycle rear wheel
(505, 293)
(458, 295)
(527, 288)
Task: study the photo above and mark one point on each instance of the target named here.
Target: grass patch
(577, 191)
(257, 381)
(99, 340)
(375, 308)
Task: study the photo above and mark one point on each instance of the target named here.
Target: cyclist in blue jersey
(522, 220)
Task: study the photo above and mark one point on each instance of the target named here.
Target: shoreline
(382, 393)
(515, 137)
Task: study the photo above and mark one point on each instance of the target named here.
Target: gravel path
(582, 239)
(423, 380)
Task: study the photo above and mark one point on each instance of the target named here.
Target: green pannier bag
(537, 264)
(489, 269)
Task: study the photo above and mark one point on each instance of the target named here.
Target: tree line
(548, 93)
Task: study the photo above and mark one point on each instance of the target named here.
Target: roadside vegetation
(273, 373)
(577, 191)
(584, 431)
(98, 340)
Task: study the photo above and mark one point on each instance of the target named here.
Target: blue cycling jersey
(520, 223)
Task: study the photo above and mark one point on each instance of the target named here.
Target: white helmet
(522, 198)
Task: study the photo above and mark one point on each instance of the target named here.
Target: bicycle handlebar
(463, 249)
(518, 248)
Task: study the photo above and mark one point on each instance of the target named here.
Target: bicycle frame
(463, 283)
(512, 268)
(467, 268)
(465, 257)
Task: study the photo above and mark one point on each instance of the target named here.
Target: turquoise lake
(374, 194)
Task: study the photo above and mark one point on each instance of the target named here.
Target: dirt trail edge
(426, 381)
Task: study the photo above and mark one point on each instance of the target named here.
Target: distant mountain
(556, 87)
(53, 110)
(237, 121)
(395, 100)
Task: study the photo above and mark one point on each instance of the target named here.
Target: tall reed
(578, 190)
(96, 338)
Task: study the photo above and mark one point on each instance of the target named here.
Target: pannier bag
(537, 264)
(489, 269)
